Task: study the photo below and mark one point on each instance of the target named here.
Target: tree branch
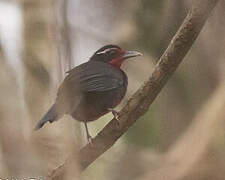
(139, 103)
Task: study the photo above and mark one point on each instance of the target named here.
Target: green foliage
(154, 28)
(146, 131)
(147, 20)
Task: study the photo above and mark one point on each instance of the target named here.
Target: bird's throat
(117, 62)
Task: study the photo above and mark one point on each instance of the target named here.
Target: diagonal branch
(139, 103)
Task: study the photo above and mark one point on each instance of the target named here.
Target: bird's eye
(113, 52)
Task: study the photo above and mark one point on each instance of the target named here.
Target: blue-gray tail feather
(50, 116)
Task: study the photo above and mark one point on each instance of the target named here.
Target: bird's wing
(88, 77)
(95, 76)
(100, 82)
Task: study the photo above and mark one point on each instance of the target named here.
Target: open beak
(130, 54)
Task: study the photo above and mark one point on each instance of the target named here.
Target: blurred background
(181, 136)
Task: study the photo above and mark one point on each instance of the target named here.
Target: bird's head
(113, 54)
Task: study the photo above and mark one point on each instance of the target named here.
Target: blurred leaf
(145, 132)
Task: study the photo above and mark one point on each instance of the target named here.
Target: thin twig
(139, 103)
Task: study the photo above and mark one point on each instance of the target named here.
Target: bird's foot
(89, 139)
(115, 114)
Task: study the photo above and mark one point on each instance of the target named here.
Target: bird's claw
(89, 139)
(116, 115)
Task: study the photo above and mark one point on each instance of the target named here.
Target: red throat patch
(117, 62)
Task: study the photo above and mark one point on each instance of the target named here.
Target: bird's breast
(96, 104)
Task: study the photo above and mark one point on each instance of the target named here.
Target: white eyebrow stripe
(106, 50)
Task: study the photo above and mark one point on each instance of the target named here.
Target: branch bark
(139, 103)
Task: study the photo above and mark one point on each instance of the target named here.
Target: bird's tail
(50, 116)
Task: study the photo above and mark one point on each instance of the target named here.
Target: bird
(92, 89)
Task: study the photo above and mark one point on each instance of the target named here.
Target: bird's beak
(130, 54)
